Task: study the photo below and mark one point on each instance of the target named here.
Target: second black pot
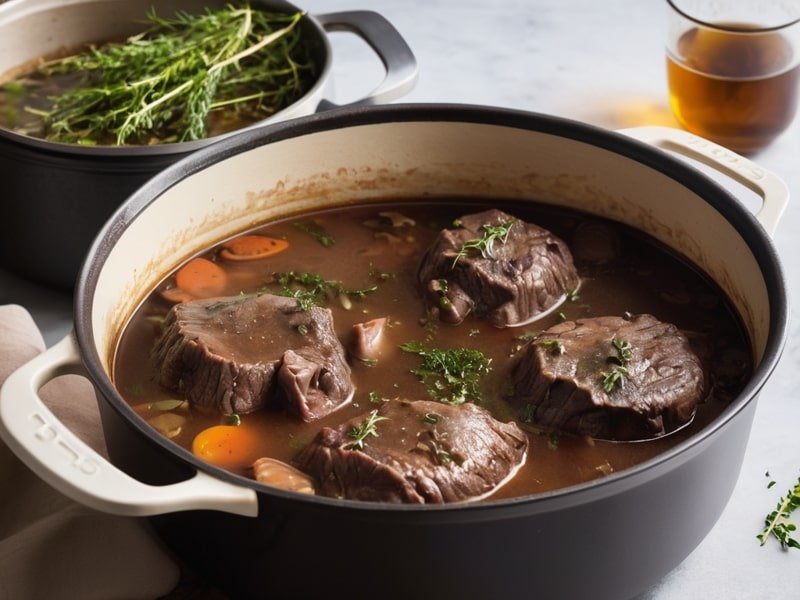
(57, 196)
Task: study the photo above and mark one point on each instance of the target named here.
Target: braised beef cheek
(238, 354)
(497, 266)
(610, 377)
(417, 452)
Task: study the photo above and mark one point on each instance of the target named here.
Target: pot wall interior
(388, 161)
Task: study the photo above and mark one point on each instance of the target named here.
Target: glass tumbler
(733, 69)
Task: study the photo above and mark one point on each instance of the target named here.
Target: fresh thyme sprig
(613, 378)
(777, 523)
(451, 376)
(624, 350)
(166, 80)
(485, 243)
(618, 373)
(360, 433)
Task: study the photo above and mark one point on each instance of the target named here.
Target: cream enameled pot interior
(412, 159)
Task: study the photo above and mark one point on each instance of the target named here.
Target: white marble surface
(602, 63)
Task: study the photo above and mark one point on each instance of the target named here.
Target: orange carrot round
(176, 295)
(230, 447)
(252, 247)
(201, 278)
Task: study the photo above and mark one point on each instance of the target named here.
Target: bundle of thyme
(168, 79)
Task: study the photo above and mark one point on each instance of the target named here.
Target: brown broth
(645, 277)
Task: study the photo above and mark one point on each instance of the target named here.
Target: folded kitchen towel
(50, 546)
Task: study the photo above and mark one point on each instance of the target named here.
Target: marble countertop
(601, 63)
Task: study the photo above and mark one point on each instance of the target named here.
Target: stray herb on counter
(777, 522)
(360, 433)
(451, 376)
(485, 243)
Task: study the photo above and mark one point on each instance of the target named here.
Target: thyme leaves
(616, 376)
(777, 523)
(311, 289)
(485, 243)
(367, 428)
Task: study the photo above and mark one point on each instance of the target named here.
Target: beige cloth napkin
(50, 546)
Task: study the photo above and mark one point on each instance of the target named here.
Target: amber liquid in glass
(735, 89)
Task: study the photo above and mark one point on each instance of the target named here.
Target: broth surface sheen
(640, 276)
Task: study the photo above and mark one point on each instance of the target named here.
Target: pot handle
(68, 464)
(388, 44)
(773, 191)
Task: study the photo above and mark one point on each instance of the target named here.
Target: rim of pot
(690, 177)
(78, 150)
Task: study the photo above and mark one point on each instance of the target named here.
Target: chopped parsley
(310, 289)
(450, 375)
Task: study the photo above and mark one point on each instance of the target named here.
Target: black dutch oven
(609, 538)
(63, 193)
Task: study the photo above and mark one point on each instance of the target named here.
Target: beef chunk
(582, 377)
(238, 354)
(366, 339)
(422, 452)
(525, 274)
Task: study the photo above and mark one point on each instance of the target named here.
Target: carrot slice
(231, 447)
(176, 295)
(201, 278)
(252, 247)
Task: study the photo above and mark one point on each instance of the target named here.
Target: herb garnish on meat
(485, 243)
(618, 373)
(452, 375)
(360, 433)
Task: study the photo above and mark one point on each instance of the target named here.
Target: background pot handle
(64, 461)
(388, 44)
(771, 188)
